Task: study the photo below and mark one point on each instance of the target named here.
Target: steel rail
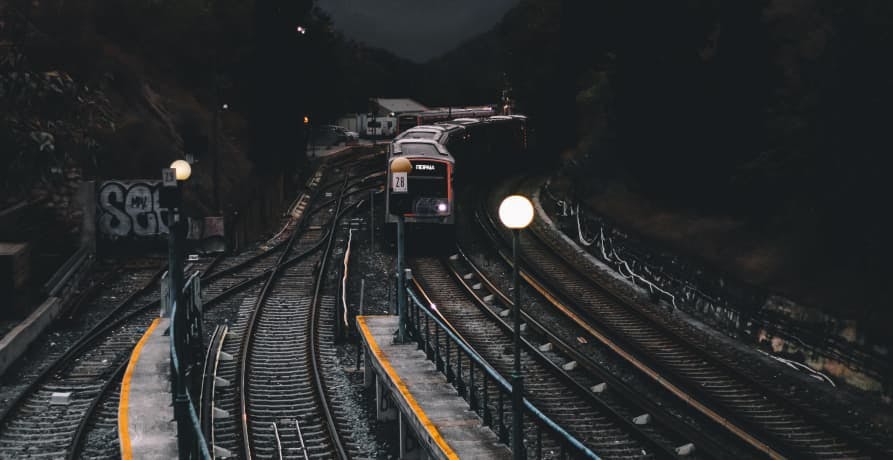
(314, 352)
(249, 331)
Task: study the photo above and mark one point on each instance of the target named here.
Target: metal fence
(476, 382)
(186, 369)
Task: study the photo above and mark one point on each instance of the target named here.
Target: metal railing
(474, 380)
(186, 369)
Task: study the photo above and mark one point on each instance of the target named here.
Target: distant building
(380, 121)
(393, 107)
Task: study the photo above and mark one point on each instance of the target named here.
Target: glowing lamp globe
(183, 169)
(401, 165)
(516, 212)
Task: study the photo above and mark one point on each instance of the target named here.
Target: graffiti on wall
(131, 209)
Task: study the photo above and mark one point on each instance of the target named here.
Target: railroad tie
(685, 449)
(220, 452)
(60, 398)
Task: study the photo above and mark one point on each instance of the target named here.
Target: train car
(429, 183)
(410, 120)
(486, 149)
(443, 133)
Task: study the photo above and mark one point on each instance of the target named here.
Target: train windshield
(418, 149)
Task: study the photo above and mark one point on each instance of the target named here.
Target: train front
(424, 195)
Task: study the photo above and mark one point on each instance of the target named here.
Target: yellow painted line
(123, 433)
(429, 426)
(680, 393)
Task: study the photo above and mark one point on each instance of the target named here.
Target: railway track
(245, 286)
(600, 427)
(563, 346)
(676, 358)
(70, 408)
(48, 416)
(282, 401)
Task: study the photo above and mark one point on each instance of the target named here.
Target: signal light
(306, 120)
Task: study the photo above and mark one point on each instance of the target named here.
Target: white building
(381, 118)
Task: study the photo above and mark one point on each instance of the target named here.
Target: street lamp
(400, 167)
(516, 213)
(171, 199)
(179, 171)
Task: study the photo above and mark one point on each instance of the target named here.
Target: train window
(418, 149)
(420, 135)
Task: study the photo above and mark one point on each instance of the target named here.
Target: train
(445, 114)
(485, 148)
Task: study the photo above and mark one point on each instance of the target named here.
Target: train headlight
(442, 207)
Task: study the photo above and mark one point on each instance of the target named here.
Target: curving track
(282, 400)
(675, 357)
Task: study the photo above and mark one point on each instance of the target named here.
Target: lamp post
(400, 168)
(171, 199)
(179, 171)
(516, 213)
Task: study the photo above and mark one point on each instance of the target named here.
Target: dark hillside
(471, 74)
(749, 135)
(768, 117)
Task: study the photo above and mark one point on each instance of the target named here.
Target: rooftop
(399, 105)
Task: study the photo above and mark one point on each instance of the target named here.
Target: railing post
(449, 370)
(473, 394)
(488, 419)
(185, 439)
(503, 431)
(438, 363)
(460, 385)
(427, 339)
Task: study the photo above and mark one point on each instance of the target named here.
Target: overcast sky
(415, 29)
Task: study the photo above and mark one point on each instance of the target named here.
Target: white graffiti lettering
(131, 209)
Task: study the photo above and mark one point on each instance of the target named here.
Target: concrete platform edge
(146, 426)
(16, 341)
(443, 451)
